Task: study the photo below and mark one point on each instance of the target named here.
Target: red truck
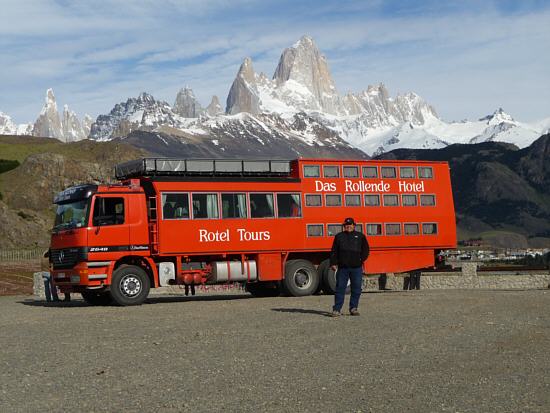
(269, 224)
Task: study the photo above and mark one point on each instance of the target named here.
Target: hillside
(501, 193)
(46, 167)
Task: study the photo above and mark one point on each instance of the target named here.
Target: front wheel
(301, 278)
(130, 286)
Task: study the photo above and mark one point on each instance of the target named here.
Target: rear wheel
(301, 278)
(130, 285)
(96, 298)
(328, 278)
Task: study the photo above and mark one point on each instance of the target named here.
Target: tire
(328, 279)
(301, 278)
(262, 289)
(96, 298)
(130, 286)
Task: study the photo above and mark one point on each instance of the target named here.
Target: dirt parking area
(419, 351)
(16, 278)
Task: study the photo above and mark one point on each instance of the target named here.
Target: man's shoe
(336, 314)
(353, 311)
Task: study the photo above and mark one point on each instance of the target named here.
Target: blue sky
(466, 58)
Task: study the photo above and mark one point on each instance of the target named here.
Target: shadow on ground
(150, 300)
(303, 311)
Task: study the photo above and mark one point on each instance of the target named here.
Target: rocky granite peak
(186, 104)
(243, 95)
(48, 123)
(214, 108)
(303, 66)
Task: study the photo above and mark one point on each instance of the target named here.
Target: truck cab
(97, 229)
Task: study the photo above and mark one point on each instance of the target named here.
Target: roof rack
(201, 167)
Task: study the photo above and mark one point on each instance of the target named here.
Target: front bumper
(83, 276)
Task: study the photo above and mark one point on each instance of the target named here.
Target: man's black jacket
(349, 249)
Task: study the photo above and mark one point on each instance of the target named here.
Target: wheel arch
(144, 263)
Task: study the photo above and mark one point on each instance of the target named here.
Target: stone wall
(468, 278)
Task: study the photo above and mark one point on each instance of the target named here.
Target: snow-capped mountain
(49, 124)
(9, 127)
(302, 92)
(300, 103)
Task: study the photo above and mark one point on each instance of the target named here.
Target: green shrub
(7, 165)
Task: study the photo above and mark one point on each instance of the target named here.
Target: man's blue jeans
(355, 276)
(49, 289)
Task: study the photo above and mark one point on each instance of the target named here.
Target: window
(351, 171)
(370, 172)
(429, 228)
(333, 200)
(353, 200)
(313, 200)
(425, 172)
(372, 200)
(393, 229)
(289, 205)
(175, 206)
(331, 171)
(234, 206)
(311, 171)
(261, 206)
(315, 230)
(333, 229)
(411, 229)
(427, 200)
(388, 172)
(391, 200)
(406, 172)
(374, 229)
(205, 206)
(108, 211)
(359, 227)
(408, 200)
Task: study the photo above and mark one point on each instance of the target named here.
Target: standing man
(349, 250)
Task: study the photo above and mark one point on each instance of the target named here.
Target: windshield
(71, 214)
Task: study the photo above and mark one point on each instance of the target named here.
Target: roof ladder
(153, 226)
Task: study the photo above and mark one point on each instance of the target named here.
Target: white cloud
(464, 63)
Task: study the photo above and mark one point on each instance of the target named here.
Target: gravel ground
(419, 351)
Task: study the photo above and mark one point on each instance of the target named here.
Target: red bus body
(220, 234)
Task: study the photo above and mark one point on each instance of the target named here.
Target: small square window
(333, 229)
(409, 200)
(311, 171)
(393, 229)
(374, 229)
(315, 230)
(333, 200)
(359, 227)
(411, 229)
(425, 172)
(391, 200)
(427, 200)
(370, 172)
(351, 171)
(388, 172)
(313, 200)
(372, 200)
(353, 200)
(406, 172)
(429, 228)
(331, 171)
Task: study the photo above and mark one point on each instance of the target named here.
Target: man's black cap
(349, 221)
